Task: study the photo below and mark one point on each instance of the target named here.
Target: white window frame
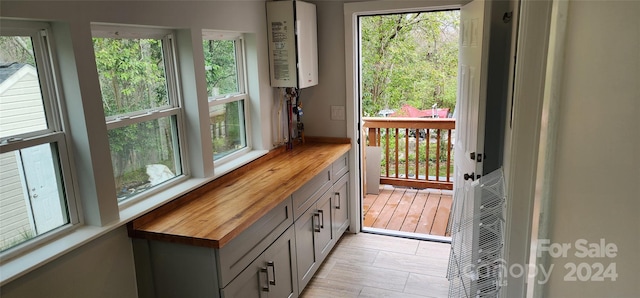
(241, 95)
(55, 133)
(175, 107)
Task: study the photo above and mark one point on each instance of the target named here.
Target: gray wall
(331, 88)
(596, 176)
(101, 268)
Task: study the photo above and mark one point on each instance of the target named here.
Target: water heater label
(279, 32)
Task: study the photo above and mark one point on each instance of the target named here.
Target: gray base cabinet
(323, 223)
(260, 262)
(275, 257)
(313, 238)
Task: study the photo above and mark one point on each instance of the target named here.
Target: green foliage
(132, 74)
(227, 130)
(220, 66)
(222, 74)
(135, 146)
(409, 59)
(132, 79)
(410, 161)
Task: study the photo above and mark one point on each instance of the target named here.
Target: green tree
(220, 66)
(132, 74)
(132, 79)
(222, 73)
(409, 59)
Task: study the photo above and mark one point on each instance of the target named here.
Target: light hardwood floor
(368, 265)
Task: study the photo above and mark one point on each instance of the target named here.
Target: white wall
(596, 177)
(101, 268)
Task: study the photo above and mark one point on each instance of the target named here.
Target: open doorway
(408, 88)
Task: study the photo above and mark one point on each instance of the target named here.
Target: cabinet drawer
(242, 250)
(307, 195)
(340, 166)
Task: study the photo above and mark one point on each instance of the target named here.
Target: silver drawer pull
(316, 228)
(273, 267)
(321, 212)
(264, 270)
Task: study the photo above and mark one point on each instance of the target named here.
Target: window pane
(32, 201)
(227, 128)
(220, 67)
(144, 155)
(21, 105)
(132, 74)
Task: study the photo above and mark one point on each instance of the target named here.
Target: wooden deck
(424, 211)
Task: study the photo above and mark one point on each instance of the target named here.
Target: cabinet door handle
(322, 215)
(338, 204)
(273, 267)
(316, 228)
(264, 270)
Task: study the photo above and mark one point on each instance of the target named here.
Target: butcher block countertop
(215, 213)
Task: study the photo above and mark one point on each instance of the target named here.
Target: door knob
(469, 176)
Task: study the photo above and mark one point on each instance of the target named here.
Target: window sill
(238, 162)
(32, 259)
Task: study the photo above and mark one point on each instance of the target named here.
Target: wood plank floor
(369, 265)
(424, 211)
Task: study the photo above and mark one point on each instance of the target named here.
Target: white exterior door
(42, 188)
(470, 105)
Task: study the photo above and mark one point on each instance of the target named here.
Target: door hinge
(476, 157)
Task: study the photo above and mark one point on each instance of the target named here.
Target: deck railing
(416, 152)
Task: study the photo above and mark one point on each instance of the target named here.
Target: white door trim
(351, 13)
(522, 138)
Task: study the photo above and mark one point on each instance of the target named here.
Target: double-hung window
(142, 107)
(36, 193)
(227, 95)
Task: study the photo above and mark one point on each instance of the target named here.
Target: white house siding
(21, 107)
(14, 216)
(21, 111)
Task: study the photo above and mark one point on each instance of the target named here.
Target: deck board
(376, 206)
(428, 214)
(442, 216)
(401, 211)
(413, 216)
(387, 211)
(424, 211)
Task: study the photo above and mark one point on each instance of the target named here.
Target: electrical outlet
(337, 113)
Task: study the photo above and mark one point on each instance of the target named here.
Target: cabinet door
(272, 274)
(306, 227)
(324, 235)
(340, 210)
(280, 261)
